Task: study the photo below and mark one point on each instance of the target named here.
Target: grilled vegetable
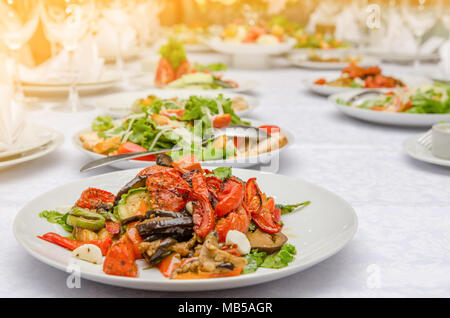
(133, 205)
(85, 219)
(160, 224)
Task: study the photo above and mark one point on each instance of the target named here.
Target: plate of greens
(423, 106)
(159, 123)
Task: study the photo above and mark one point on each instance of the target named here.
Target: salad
(176, 72)
(157, 124)
(430, 99)
(359, 77)
(317, 41)
(257, 34)
(188, 222)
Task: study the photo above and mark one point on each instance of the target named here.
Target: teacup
(441, 140)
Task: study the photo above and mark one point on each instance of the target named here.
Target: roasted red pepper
(120, 260)
(230, 198)
(113, 228)
(203, 215)
(103, 244)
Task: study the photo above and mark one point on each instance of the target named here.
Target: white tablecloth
(402, 247)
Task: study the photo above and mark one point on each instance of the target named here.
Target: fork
(426, 139)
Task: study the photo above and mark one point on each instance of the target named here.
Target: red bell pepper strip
(135, 239)
(71, 244)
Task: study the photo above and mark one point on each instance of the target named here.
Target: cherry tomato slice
(130, 147)
(221, 121)
(92, 198)
(164, 72)
(270, 129)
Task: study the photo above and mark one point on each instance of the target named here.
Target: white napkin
(325, 13)
(107, 39)
(347, 28)
(444, 52)
(11, 119)
(398, 37)
(87, 63)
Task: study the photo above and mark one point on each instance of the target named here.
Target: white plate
(35, 153)
(387, 118)
(107, 80)
(235, 163)
(396, 57)
(419, 152)
(301, 60)
(439, 76)
(250, 48)
(196, 48)
(409, 80)
(119, 104)
(244, 84)
(318, 231)
(32, 136)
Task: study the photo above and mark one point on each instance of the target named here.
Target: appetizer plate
(318, 232)
(300, 60)
(386, 118)
(199, 47)
(251, 48)
(244, 85)
(235, 163)
(52, 145)
(119, 104)
(326, 90)
(422, 153)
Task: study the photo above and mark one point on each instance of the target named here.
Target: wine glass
(67, 22)
(420, 16)
(18, 22)
(119, 14)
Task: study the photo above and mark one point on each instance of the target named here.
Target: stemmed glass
(118, 13)
(420, 16)
(18, 22)
(67, 22)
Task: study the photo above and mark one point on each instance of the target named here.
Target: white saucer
(419, 152)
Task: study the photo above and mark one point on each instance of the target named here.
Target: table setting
(224, 148)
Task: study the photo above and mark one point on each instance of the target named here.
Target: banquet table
(401, 248)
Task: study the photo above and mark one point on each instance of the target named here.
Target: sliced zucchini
(128, 207)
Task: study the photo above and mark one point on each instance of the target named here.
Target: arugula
(430, 102)
(213, 67)
(173, 51)
(223, 173)
(254, 260)
(57, 218)
(285, 209)
(280, 259)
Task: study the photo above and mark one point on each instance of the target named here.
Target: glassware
(420, 16)
(67, 22)
(119, 14)
(18, 22)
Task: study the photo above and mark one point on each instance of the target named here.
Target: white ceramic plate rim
(332, 246)
(46, 149)
(410, 147)
(294, 59)
(409, 80)
(107, 77)
(228, 162)
(250, 48)
(390, 118)
(100, 102)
